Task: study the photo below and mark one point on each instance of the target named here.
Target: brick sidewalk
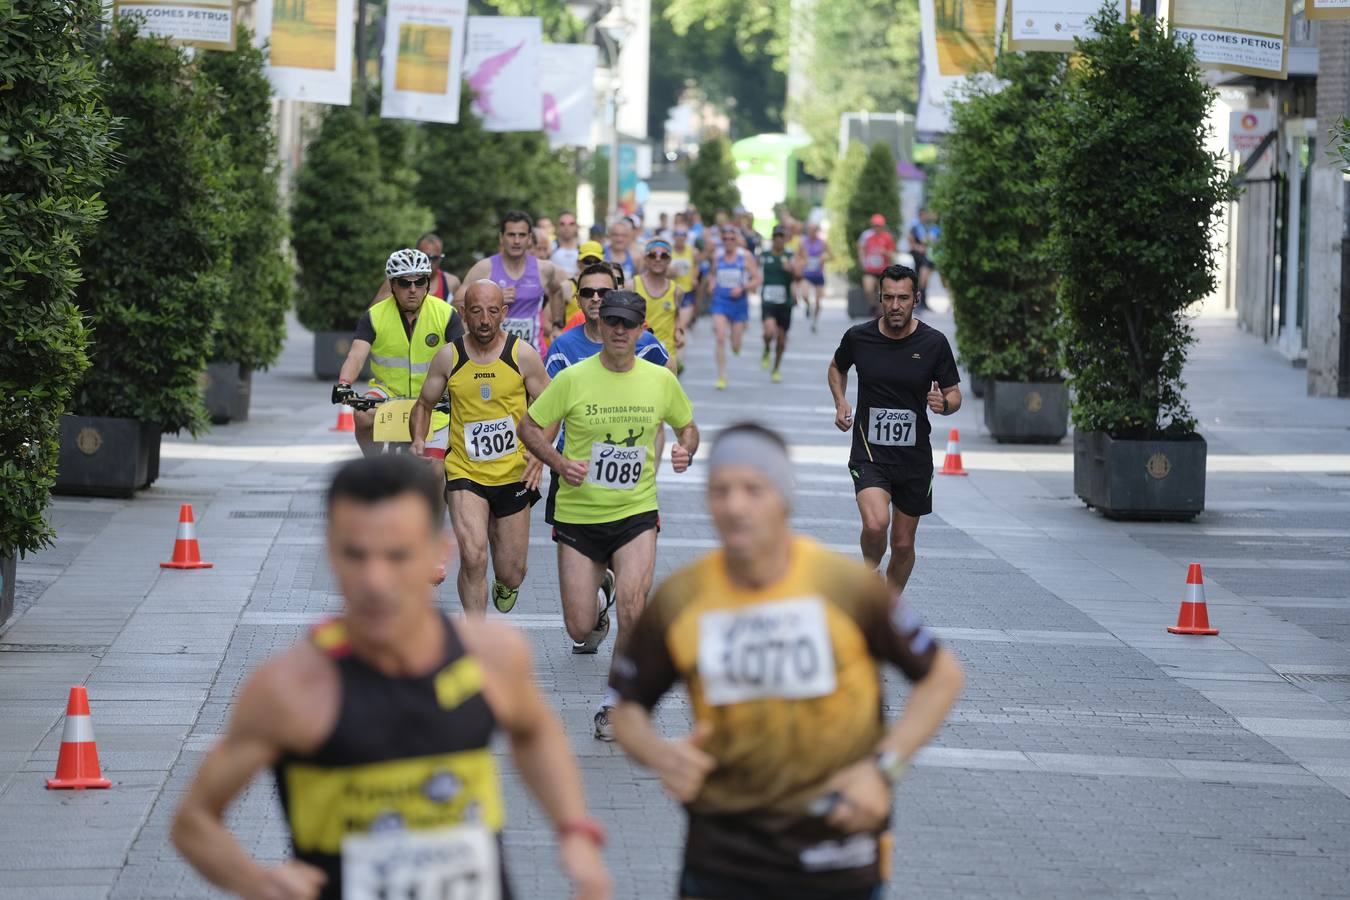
(1092, 753)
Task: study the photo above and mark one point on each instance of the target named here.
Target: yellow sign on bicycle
(391, 421)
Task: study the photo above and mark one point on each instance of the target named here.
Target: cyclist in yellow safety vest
(400, 335)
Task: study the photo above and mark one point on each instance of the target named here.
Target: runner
(399, 335)
(684, 263)
(816, 253)
(524, 280)
(543, 243)
(377, 728)
(589, 254)
(619, 248)
(779, 268)
(491, 483)
(876, 251)
(663, 296)
(443, 284)
(788, 773)
(904, 366)
(734, 274)
(612, 406)
(566, 253)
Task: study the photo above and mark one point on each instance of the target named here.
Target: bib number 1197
(892, 427)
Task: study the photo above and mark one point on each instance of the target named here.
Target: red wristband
(584, 827)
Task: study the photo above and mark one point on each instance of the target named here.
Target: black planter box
(1161, 480)
(106, 457)
(8, 564)
(977, 387)
(858, 305)
(1032, 412)
(227, 388)
(330, 352)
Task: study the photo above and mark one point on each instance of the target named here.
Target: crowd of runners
(551, 370)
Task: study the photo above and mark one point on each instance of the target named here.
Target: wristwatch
(944, 404)
(891, 766)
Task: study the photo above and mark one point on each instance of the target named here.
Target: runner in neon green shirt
(612, 406)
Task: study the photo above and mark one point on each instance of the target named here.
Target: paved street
(1092, 754)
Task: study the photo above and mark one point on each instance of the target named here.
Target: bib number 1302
(490, 440)
(893, 427)
(616, 468)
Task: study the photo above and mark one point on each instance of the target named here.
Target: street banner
(567, 80)
(1247, 128)
(1326, 9)
(1248, 36)
(501, 64)
(423, 56)
(1051, 25)
(958, 38)
(208, 24)
(310, 57)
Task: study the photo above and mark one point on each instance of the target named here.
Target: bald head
(484, 290)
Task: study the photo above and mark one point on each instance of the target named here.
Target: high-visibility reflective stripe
(187, 531)
(397, 362)
(1195, 593)
(78, 730)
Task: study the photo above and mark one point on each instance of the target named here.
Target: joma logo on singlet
(478, 375)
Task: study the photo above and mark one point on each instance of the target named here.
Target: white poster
(1249, 36)
(959, 38)
(423, 56)
(208, 24)
(1326, 9)
(1050, 25)
(567, 81)
(310, 57)
(501, 65)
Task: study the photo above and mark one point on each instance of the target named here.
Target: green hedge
(712, 179)
(1134, 200)
(346, 219)
(877, 191)
(252, 318)
(991, 194)
(54, 147)
(838, 197)
(155, 270)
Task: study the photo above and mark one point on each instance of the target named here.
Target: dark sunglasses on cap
(420, 281)
(616, 321)
(587, 293)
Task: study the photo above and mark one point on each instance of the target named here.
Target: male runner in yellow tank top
(378, 728)
(491, 481)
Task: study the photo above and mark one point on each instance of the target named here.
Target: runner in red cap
(876, 251)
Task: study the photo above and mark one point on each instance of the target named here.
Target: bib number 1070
(893, 427)
(775, 650)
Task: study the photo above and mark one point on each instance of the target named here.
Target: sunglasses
(435, 257)
(406, 283)
(588, 293)
(617, 321)
(658, 256)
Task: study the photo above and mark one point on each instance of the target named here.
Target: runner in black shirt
(904, 366)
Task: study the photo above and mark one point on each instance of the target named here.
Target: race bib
(893, 427)
(492, 439)
(876, 261)
(813, 263)
(774, 293)
(521, 328)
(776, 650)
(458, 862)
(616, 468)
(728, 279)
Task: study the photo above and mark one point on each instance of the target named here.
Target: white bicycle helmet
(407, 262)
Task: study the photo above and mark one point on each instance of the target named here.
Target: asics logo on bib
(481, 428)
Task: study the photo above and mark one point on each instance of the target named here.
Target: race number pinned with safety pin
(456, 863)
(775, 650)
(892, 427)
(391, 421)
(614, 467)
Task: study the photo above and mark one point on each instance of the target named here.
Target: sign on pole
(959, 38)
(208, 24)
(501, 64)
(567, 80)
(1326, 9)
(1247, 128)
(423, 57)
(1050, 25)
(310, 57)
(1248, 36)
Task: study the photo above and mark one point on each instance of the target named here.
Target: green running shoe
(503, 597)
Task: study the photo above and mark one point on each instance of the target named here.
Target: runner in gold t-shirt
(611, 406)
(788, 772)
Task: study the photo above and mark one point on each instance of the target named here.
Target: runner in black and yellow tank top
(787, 775)
(378, 727)
(491, 375)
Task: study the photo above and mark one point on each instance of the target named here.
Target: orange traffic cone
(345, 422)
(952, 464)
(186, 553)
(1194, 615)
(77, 766)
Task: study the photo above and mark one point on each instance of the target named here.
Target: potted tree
(877, 191)
(843, 240)
(346, 219)
(54, 147)
(252, 322)
(991, 195)
(153, 271)
(1134, 199)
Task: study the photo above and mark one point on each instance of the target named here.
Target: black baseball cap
(627, 305)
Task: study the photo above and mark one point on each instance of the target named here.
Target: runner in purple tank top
(533, 287)
(815, 254)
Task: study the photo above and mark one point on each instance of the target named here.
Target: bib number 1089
(893, 427)
(616, 468)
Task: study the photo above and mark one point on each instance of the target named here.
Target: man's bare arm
(537, 441)
(419, 420)
(557, 299)
(355, 362)
(838, 381)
